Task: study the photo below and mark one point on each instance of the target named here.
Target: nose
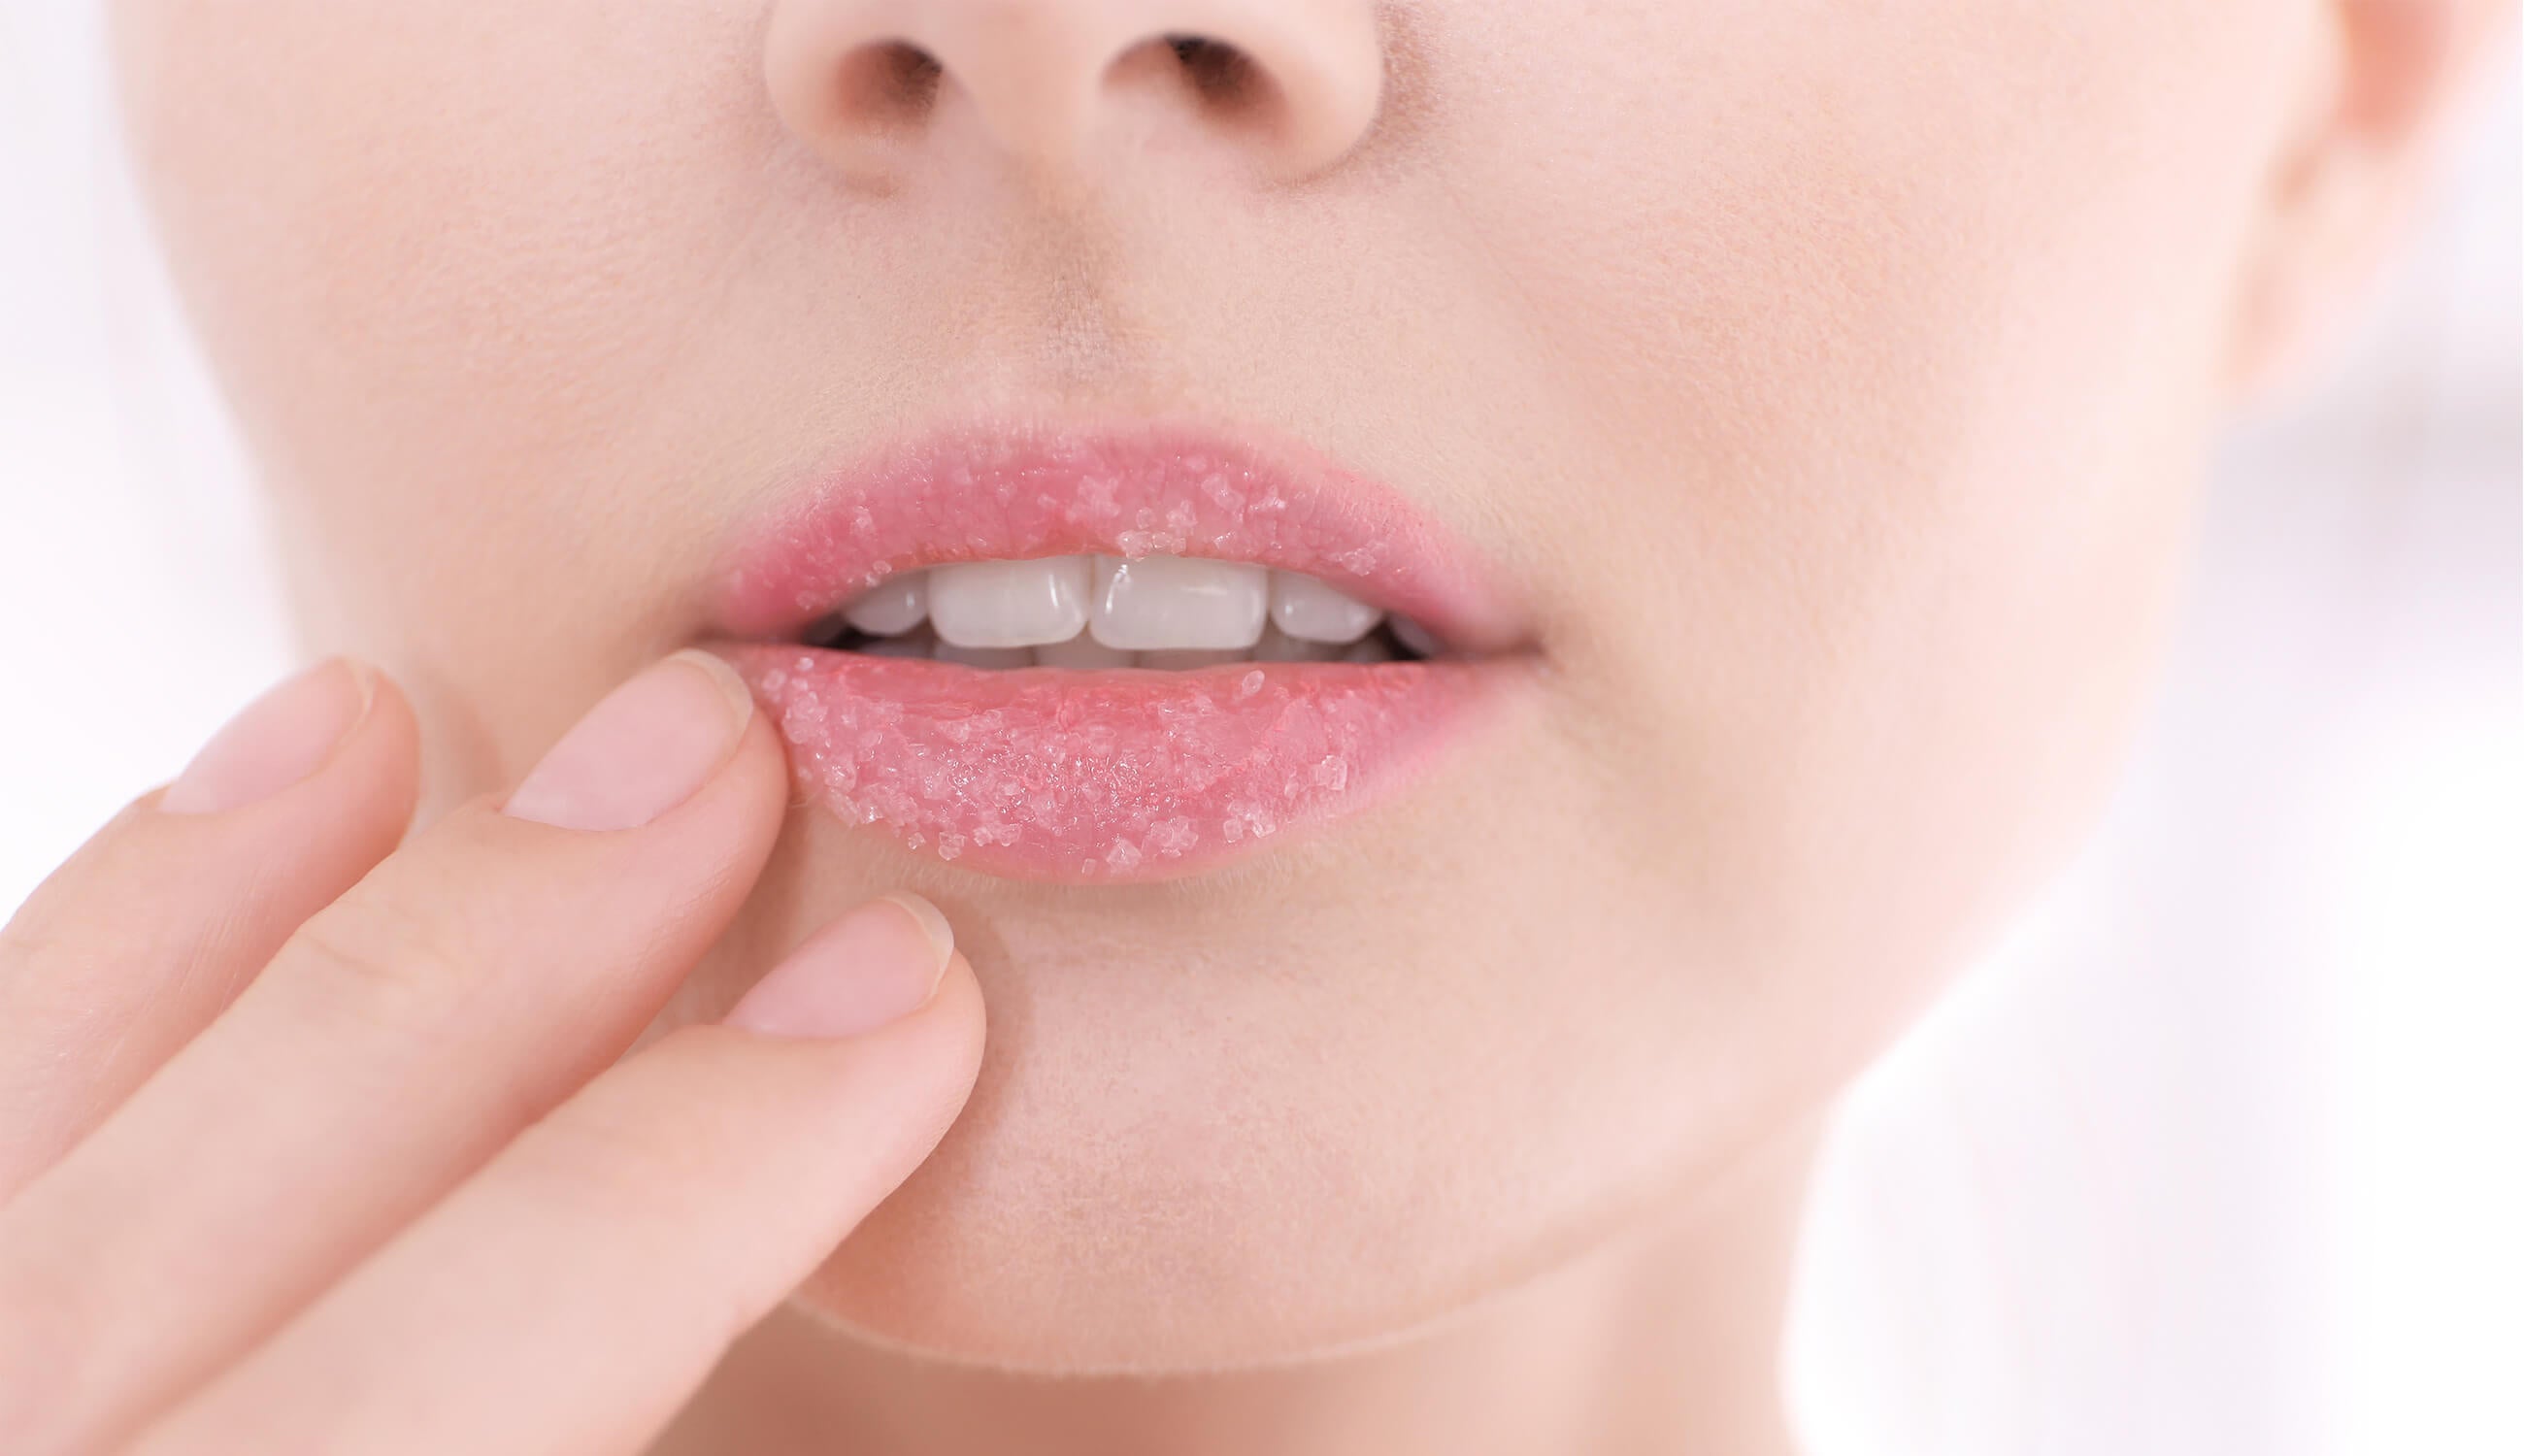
(1293, 83)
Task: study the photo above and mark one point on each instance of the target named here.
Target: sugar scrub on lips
(1048, 774)
(1095, 769)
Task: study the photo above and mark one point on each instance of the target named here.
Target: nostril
(888, 88)
(1293, 83)
(1224, 77)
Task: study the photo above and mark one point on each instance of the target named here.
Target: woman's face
(1812, 388)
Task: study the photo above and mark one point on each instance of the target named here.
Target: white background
(2217, 1154)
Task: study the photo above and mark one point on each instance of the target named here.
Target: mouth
(1108, 656)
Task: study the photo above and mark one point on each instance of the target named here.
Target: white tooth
(1277, 645)
(1081, 653)
(1415, 637)
(891, 607)
(1318, 613)
(984, 656)
(920, 642)
(1159, 602)
(1184, 659)
(1009, 604)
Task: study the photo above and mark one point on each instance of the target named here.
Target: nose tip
(1293, 83)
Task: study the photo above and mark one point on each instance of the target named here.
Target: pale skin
(421, 1072)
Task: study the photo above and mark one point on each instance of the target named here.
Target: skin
(1831, 381)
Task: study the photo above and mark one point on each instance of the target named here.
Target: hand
(308, 1142)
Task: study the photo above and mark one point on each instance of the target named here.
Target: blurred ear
(2343, 189)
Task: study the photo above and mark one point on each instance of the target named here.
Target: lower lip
(1114, 776)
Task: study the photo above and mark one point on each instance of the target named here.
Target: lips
(1105, 774)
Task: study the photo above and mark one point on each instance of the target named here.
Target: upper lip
(1012, 491)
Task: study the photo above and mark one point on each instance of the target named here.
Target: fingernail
(641, 752)
(279, 739)
(872, 968)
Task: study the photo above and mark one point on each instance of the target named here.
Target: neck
(1665, 1341)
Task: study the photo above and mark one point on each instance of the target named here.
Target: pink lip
(1126, 774)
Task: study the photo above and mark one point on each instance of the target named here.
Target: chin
(1205, 1140)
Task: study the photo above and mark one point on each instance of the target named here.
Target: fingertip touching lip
(1024, 491)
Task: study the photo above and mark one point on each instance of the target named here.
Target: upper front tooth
(1154, 604)
(891, 607)
(1307, 608)
(1009, 604)
(1085, 652)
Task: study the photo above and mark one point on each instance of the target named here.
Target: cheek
(446, 260)
(1894, 340)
